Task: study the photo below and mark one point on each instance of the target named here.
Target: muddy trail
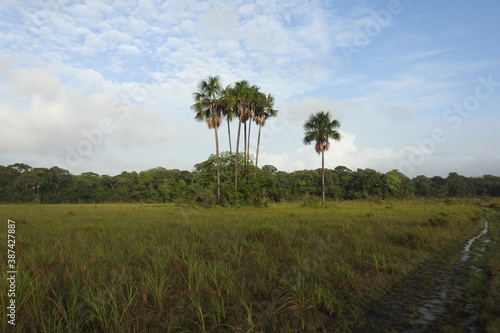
(434, 297)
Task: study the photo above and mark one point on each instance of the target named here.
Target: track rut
(432, 297)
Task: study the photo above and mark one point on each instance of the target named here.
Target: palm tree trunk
(248, 140)
(245, 140)
(258, 144)
(323, 174)
(229, 136)
(237, 157)
(217, 164)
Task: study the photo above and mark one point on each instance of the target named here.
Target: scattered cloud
(68, 68)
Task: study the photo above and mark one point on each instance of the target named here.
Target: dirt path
(431, 298)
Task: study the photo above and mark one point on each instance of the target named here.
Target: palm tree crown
(207, 101)
(320, 128)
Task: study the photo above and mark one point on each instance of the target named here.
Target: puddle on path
(466, 251)
(417, 304)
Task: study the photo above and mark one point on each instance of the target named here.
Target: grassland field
(284, 268)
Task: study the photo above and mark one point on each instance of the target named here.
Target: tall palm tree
(262, 114)
(239, 95)
(320, 128)
(208, 107)
(227, 103)
(255, 100)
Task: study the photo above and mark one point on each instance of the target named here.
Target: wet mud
(433, 297)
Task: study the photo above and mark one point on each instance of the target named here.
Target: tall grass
(161, 268)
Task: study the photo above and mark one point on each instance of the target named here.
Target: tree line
(21, 183)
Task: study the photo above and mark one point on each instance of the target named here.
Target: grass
(162, 268)
(484, 280)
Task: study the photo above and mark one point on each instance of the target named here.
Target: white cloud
(88, 123)
(344, 152)
(94, 44)
(129, 50)
(145, 9)
(219, 21)
(246, 10)
(114, 37)
(35, 82)
(5, 64)
(64, 65)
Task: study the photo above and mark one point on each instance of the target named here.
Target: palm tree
(239, 96)
(320, 128)
(227, 103)
(208, 107)
(260, 119)
(255, 100)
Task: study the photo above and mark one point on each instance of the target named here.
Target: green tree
(459, 186)
(125, 186)
(8, 176)
(37, 180)
(320, 128)
(85, 188)
(439, 187)
(344, 175)
(391, 183)
(20, 167)
(208, 106)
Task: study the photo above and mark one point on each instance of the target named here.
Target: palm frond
(319, 127)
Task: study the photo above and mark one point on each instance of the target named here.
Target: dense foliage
(21, 183)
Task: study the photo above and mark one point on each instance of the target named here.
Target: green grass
(162, 268)
(488, 300)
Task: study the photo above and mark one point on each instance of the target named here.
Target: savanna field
(283, 268)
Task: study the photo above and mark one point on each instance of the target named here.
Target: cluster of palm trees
(240, 101)
(248, 104)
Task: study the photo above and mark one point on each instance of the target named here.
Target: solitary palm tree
(320, 128)
(208, 107)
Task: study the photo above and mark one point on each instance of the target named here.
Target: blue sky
(105, 86)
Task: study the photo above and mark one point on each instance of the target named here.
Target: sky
(106, 86)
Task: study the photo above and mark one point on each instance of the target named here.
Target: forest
(21, 183)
